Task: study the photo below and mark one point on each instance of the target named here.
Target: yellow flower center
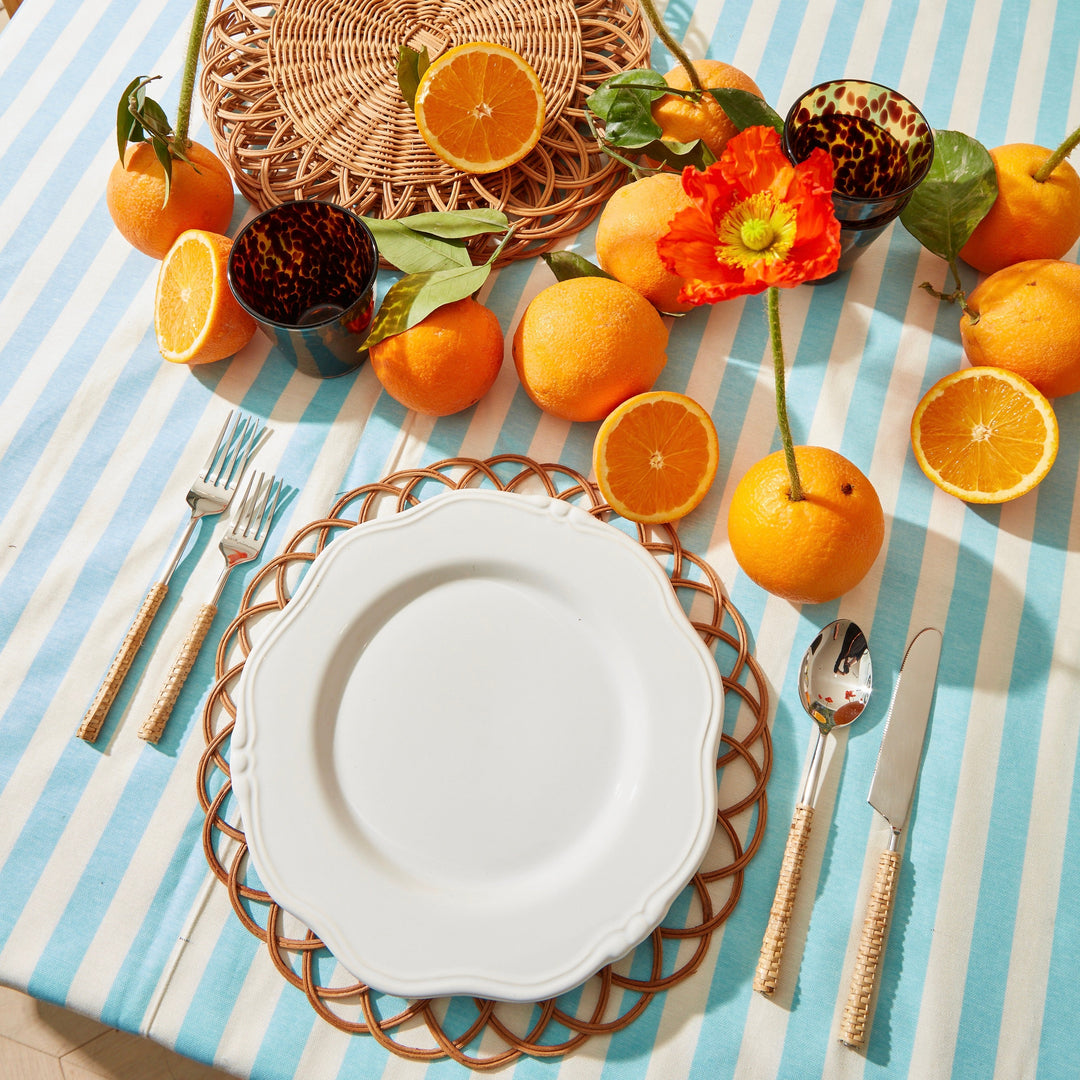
(758, 228)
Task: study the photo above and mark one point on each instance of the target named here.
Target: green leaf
(161, 152)
(624, 104)
(745, 109)
(413, 252)
(128, 129)
(416, 296)
(457, 223)
(959, 189)
(569, 264)
(678, 155)
(411, 66)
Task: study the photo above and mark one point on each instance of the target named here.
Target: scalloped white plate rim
(350, 872)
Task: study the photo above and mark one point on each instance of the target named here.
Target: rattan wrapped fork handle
(114, 678)
(772, 945)
(153, 726)
(871, 950)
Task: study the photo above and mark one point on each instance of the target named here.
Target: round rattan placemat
(480, 1033)
(303, 102)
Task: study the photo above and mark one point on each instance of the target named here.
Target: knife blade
(891, 791)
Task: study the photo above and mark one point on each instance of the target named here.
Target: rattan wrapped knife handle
(871, 950)
(772, 945)
(154, 725)
(114, 678)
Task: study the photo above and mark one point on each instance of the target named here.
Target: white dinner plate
(476, 752)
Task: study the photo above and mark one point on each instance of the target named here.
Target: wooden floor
(44, 1042)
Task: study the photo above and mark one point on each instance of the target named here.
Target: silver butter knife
(891, 791)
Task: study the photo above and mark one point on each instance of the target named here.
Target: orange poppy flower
(757, 221)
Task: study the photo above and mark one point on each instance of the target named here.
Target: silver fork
(210, 493)
(242, 543)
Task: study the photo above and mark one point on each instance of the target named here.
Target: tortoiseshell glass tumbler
(881, 147)
(305, 270)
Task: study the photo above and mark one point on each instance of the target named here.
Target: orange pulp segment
(984, 434)
(655, 456)
(480, 107)
(196, 316)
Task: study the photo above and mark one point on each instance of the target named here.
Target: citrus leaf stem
(957, 296)
(191, 60)
(781, 396)
(676, 50)
(1042, 174)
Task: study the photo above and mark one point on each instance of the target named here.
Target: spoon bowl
(835, 680)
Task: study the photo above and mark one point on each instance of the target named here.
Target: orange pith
(655, 456)
(196, 316)
(984, 434)
(480, 107)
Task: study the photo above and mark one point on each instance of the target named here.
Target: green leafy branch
(431, 250)
(141, 119)
(623, 105)
(954, 197)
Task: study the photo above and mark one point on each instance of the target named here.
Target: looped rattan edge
(551, 194)
(551, 1028)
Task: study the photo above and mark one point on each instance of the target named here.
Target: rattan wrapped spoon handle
(153, 726)
(121, 665)
(772, 945)
(871, 950)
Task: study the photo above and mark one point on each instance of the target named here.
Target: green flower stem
(781, 395)
(1057, 157)
(676, 50)
(187, 87)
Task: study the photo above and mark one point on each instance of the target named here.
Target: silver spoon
(835, 680)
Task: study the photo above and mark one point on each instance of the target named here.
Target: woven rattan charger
(303, 102)
(609, 1001)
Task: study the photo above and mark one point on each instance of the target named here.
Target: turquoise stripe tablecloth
(106, 903)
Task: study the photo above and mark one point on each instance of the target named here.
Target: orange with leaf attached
(1029, 219)
(682, 119)
(200, 197)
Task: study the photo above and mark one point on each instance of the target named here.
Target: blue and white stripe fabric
(106, 903)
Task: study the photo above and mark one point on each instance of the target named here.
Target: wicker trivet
(303, 102)
(475, 1032)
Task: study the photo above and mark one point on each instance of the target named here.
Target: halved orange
(984, 434)
(480, 107)
(196, 316)
(655, 456)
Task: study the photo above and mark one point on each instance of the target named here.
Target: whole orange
(1029, 323)
(586, 344)
(813, 550)
(1028, 219)
(683, 120)
(443, 364)
(200, 197)
(631, 222)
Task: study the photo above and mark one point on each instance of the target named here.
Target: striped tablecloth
(105, 900)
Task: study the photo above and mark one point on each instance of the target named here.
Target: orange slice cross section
(480, 107)
(655, 456)
(196, 317)
(984, 434)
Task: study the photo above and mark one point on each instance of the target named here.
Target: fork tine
(232, 418)
(268, 515)
(242, 518)
(258, 437)
(232, 450)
